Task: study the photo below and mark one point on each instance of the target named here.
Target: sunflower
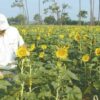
(32, 47)
(97, 51)
(23, 31)
(41, 55)
(61, 36)
(43, 46)
(38, 37)
(62, 53)
(85, 58)
(77, 37)
(22, 52)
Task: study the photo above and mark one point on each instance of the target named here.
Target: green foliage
(50, 20)
(19, 19)
(82, 14)
(37, 19)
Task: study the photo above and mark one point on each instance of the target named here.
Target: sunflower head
(62, 53)
(97, 51)
(85, 58)
(22, 52)
(43, 46)
(77, 37)
(38, 37)
(61, 36)
(32, 47)
(41, 55)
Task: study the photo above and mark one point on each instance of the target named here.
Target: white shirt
(9, 43)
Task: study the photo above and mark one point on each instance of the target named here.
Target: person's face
(2, 32)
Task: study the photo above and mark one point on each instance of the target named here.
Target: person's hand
(1, 75)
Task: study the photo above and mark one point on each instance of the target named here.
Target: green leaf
(95, 59)
(74, 94)
(4, 84)
(88, 89)
(29, 96)
(97, 84)
(8, 97)
(72, 75)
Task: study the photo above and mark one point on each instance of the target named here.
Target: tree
(18, 4)
(27, 14)
(44, 1)
(82, 14)
(37, 18)
(55, 9)
(79, 12)
(65, 19)
(50, 20)
(64, 15)
(99, 13)
(12, 20)
(20, 19)
(91, 12)
(39, 7)
(23, 8)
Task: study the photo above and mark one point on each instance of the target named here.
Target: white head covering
(3, 22)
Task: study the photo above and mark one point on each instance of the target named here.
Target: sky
(7, 10)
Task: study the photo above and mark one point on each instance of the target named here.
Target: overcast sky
(5, 7)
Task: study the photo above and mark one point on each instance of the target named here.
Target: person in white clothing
(10, 40)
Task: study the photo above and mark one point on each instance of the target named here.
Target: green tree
(37, 19)
(64, 19)
(39, 9)
(11, 20)
(82, 14)
(64, 14)
(79, 12)
(50, 20)
(22, 5)
(55, 9)
(20, 19)
(99, 13)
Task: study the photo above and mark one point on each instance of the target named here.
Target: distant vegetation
(54, 14)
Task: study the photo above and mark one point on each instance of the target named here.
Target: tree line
(55, 14)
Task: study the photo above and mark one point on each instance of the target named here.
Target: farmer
(10, 40)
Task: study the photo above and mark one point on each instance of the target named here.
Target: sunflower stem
(30, 81)
(22, 84)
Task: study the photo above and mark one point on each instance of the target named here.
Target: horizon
(33, 8)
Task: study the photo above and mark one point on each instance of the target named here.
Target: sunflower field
(57, 63)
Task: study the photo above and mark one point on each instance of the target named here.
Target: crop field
(57, 63)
